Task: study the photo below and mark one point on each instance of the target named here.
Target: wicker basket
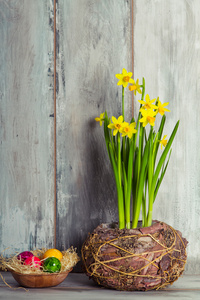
(134, 259)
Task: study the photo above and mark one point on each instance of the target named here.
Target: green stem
(123, 102)
(141, 182)
(119, 191)
(119, 158)
(129, 185)
(143, 88)
(141, 135)
(144, 213)
(124, 151)
(150, 174)
(150, 214)
(157, 171)
(123, 140)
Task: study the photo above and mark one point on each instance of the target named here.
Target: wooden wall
(26, 103)
(167, 53)
(94, 41)
(87, 61)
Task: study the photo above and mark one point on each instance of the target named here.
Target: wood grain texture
(93, 45)
(167, 54)
(76, 285)
(26, 135)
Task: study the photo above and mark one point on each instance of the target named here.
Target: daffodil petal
(130, 74)
(131, 81)
(111, 126)
(165, 104)
(141, 101)
(119, 76)
(114, 119)
(142, 120)
(115, 131)
(145, 123)
(120, 119)
(125, 84)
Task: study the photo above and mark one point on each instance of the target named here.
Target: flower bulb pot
(138, 259)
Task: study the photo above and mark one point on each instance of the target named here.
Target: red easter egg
(33, 261)
(24, 255)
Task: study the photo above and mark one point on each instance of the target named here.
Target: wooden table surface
(78, 286)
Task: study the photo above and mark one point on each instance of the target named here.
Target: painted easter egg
(33, 261)
(53, 253)
(51, 265)
(24, 255)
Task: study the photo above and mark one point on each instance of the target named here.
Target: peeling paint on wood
(93, 42)
(94, 45)
(167, 54)
(26, 148)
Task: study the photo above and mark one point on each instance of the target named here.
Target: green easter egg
(51, 265)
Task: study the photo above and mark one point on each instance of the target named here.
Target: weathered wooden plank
(94, 44)
(26, 135)
(187, 287)
(167, 52)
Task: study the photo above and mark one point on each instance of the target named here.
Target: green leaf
(139, 195)
(150, 159)
(119, 191)
(161, 177)
(159, 136)
(130, 170)
(162, 159)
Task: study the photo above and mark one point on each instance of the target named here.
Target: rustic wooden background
(95, 39)
(26, 103)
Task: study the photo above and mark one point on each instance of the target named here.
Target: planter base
(134, 259)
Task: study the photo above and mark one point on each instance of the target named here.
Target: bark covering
(134, 259)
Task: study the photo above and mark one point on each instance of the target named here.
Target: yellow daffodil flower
(147, 104)
(116, 125)
(148, 117)
(161, 108)
(124, 78)
(163, 142)
(128, 130)
(135, 87)
(100, 119)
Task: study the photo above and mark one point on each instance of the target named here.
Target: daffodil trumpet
(133, 150)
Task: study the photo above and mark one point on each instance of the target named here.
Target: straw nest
(12, 263)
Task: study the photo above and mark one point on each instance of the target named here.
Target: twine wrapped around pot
(134, 259)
